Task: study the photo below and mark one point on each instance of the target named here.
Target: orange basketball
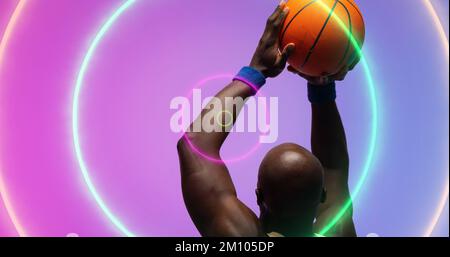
(320, 30)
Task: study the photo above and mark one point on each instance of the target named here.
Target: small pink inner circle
(201, 153)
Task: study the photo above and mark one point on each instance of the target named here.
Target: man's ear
(323, 197)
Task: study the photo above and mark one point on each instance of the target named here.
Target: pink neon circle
(206, 156)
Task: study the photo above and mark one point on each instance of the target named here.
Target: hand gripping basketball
(322, 31)
(267, 58)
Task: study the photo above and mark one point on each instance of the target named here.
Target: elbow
(338, 159)
(344, 158)
(196, 143)
(183, 144)
(180, 145)
(343, 161)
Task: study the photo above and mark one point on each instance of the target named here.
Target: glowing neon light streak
(374, 124)
(444, 195)
(76, 140)
(3, 192)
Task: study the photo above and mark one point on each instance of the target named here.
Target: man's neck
(290, 229)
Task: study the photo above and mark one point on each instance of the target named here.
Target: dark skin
(288, 206)
(329, 145)
(290, 189)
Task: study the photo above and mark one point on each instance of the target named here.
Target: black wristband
(322, 94)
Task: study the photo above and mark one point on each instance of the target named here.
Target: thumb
(285, 54)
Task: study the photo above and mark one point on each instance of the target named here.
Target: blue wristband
(252, 77)
(322, 94)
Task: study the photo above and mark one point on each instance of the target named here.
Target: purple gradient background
(158, 50)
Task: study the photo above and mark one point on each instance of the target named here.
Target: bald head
(290, 182)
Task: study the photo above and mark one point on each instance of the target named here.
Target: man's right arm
(329, 145)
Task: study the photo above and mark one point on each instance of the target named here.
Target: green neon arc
(101, 33)
(374, 124)
(101, 203)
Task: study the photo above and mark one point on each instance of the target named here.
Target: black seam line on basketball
(320, 34)
(355, 54)
(350, 34)
(356, 8)
(293, 18)
(360, 14)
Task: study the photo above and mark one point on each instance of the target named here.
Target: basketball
(322, 31)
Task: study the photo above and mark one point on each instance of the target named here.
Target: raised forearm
(209, 131)
(328, 138)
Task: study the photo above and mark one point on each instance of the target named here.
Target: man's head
(290, 186)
